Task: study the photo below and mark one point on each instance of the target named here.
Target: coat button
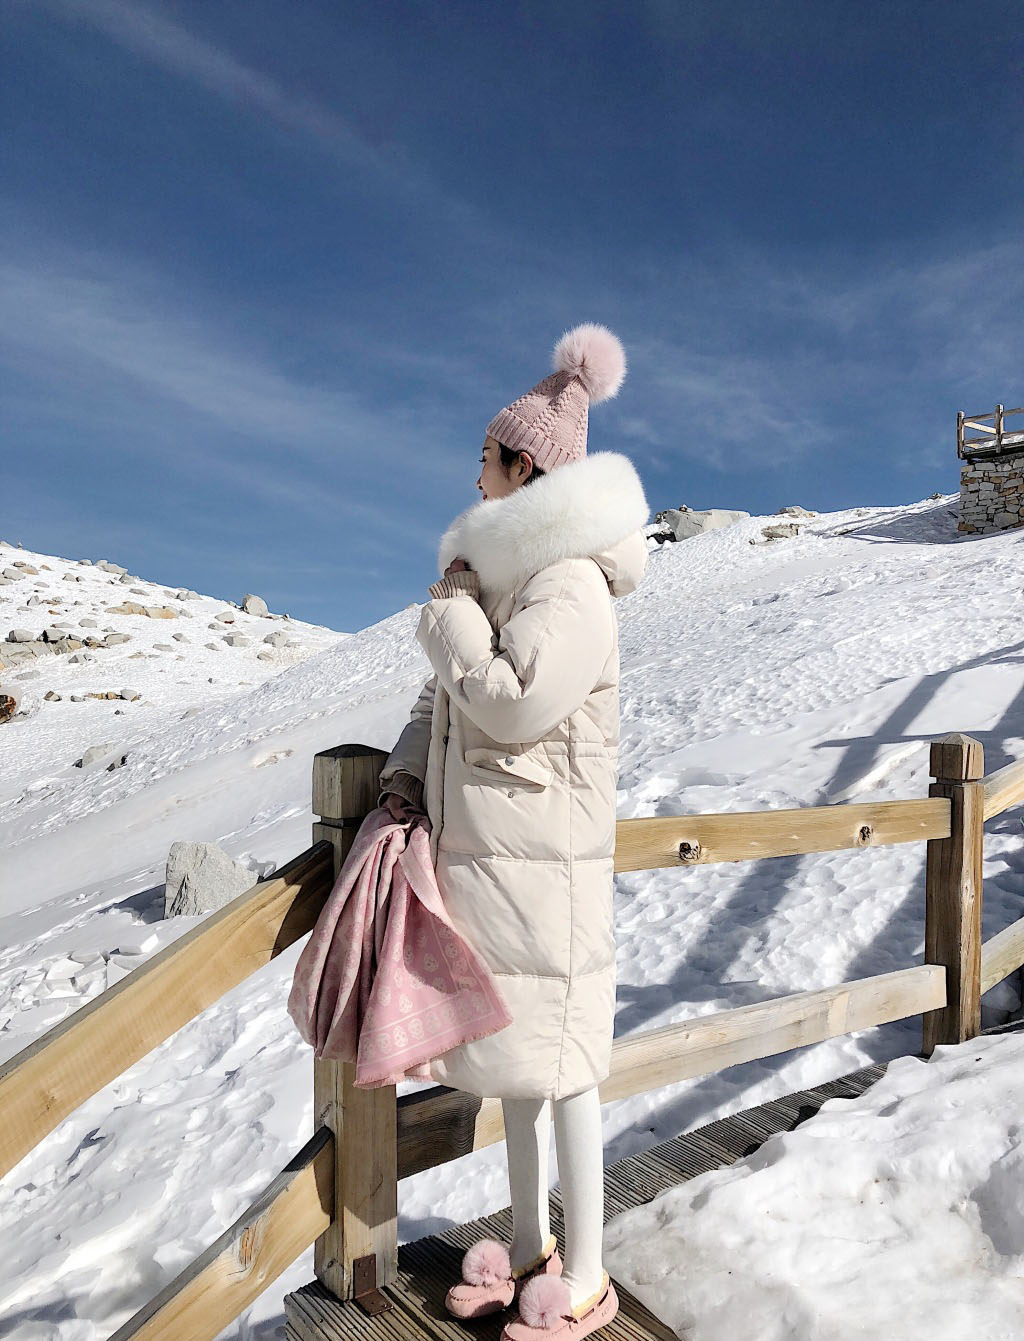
(509, 760)
(511, 793)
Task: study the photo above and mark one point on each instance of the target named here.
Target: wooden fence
(340, 1191)
(994, 439)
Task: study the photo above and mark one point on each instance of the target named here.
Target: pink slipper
(488, 1282)
(546, 1312)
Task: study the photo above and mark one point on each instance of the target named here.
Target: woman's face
(493, 480)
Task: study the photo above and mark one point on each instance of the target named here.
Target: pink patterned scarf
(385, 980)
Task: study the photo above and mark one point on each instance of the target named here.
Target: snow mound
(898, 1213)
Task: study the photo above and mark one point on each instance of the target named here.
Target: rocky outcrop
(682, 523)
(107, 752)
(152, 611)
(201, 877)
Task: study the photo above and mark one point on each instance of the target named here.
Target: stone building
(991, 473)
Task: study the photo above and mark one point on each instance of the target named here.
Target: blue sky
(268, 268)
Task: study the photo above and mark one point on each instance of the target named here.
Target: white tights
(580, 1154)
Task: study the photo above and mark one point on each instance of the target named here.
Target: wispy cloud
(744, 353)
(113, 346)
(63, 314)
(951, 293)
(148, 32)
(731, 405)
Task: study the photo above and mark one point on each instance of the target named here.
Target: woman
(511, 749)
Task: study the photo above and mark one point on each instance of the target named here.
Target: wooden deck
(426, 1267)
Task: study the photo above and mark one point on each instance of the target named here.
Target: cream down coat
(514, 738)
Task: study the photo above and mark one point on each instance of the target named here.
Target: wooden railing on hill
(340, 1191)
(994, 439)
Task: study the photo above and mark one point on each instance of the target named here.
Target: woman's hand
(446, 585)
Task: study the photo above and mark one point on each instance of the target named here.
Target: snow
(896, 1214)
(795, 672)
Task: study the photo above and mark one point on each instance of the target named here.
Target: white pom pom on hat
(595, 355)
(550, 421)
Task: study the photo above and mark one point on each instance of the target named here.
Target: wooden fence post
(359, 1251)
(953, 890)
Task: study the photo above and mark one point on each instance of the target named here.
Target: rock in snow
(684, 523)
(780, 531)
(201, 877)
(95, 752)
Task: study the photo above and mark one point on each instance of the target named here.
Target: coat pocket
(499, 765)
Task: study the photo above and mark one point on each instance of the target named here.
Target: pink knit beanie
(550, 421)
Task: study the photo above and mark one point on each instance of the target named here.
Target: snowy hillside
(97, 630)
(800, 671)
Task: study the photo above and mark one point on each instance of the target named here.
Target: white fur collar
(579, 509)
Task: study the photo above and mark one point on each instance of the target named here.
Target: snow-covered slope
(187, 651)
(796, 672)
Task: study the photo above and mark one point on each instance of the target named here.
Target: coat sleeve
(548, 656)
(405, 768)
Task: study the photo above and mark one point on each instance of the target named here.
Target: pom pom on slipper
(544, 1301)
(486, 1263)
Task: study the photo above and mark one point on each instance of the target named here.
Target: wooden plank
(345, 790)
(240, 1264)
(426, 1268)
(313, 1314)
(952, 933)
(436, 1125)
(1002, 954)
(46, 1081)
(688, 840)
(1004, 789)
(760, 1123)
(709, 1043)
(988, 414)
(981, 428)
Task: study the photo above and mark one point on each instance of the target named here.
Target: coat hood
(594, 507)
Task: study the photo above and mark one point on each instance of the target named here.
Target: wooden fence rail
(340, 1191)
(994, 437)
(1004, 788)
(42, 1084)
(751, 835)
